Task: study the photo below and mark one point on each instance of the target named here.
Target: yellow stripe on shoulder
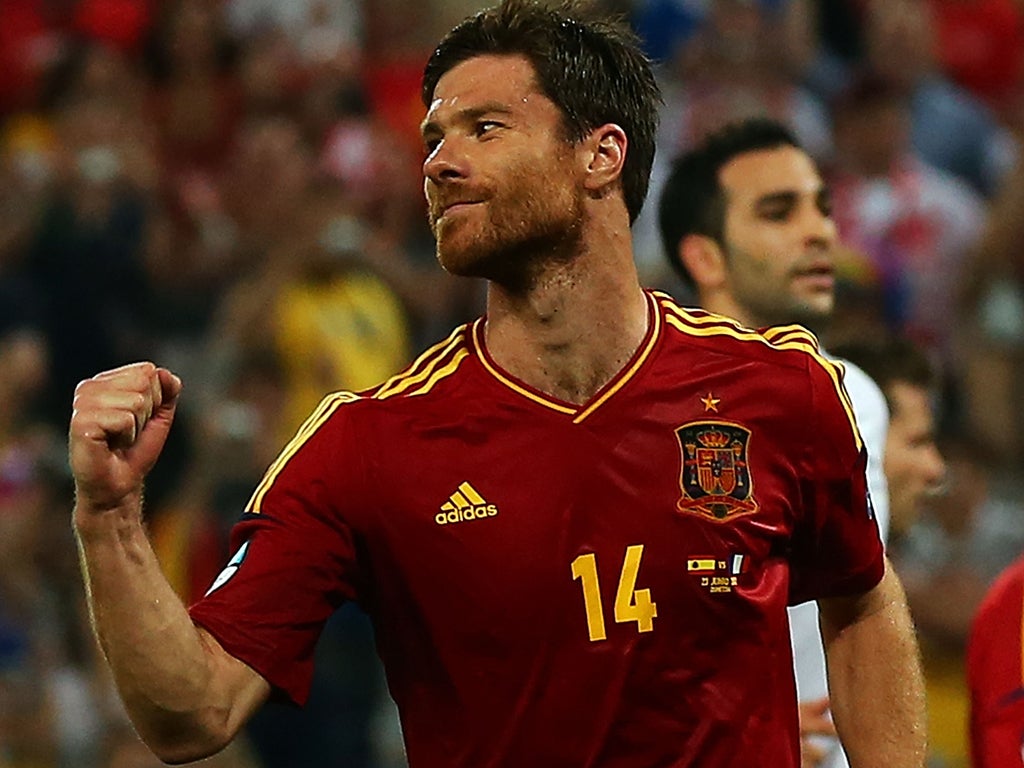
(425, 366)
(698, 322)
(787, 337)
(317, 419)
(778, 333)
(836, 373)
(441, 373)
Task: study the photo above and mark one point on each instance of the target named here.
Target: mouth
(820, 274)
(451, 208)
(454, 208)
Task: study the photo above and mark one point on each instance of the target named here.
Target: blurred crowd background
(232, 188)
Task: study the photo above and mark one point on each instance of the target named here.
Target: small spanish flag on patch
(701, 565)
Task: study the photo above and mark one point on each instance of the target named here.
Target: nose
(445, 162)
(934, 467)
(819, 228)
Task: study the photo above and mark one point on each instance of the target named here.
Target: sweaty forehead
(499, 79)
(786, 169)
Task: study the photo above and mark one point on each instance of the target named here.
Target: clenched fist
(119, 425)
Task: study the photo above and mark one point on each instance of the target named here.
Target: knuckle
(81, 407)
(127, 422)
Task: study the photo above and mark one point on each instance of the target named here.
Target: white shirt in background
(872, 416)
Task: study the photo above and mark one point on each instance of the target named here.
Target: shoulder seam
(782, 338)
(309, 427)
(698, 322)
(429, 367)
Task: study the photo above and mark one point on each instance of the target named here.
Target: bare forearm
(185, 694)
(875, 682)
(155, 653)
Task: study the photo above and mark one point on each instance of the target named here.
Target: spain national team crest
(715, 478)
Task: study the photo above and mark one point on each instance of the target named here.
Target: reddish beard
(509, 234)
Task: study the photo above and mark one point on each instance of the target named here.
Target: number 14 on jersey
(631, 604)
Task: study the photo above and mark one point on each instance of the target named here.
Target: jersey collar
(602, 396)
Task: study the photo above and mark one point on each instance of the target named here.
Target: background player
(915, 470)
(995, 677)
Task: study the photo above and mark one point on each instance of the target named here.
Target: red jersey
(567, 585)
(995, 674)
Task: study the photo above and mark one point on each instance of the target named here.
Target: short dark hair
(592, 68)
(891, 360)
(692, 200)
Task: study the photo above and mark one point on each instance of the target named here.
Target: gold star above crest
(711, 403)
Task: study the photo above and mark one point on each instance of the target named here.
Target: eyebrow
(467, 115)
(776, 198)
(788, 197)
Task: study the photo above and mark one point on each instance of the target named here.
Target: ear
(604, 155)
(704, 260)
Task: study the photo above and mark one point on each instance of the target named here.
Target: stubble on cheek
(518, 222)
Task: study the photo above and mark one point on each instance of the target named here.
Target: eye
(484, 127)
(777, 212)
(431, 144)
(825, 205)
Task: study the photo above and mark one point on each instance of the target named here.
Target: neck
(722, 303)
(573, 327)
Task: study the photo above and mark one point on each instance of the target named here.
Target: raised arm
(875, 679)
(186, 696)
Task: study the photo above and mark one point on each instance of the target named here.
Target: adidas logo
(464, 504)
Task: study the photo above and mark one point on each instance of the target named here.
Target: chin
(822, 304)
(463, 259)
(813, 314)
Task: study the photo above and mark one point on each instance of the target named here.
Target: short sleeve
(836, 546)
(873, 421)
(294, 557)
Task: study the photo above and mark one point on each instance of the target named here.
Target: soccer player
(995, 673)
(746, 223)
(916, 473)
(575, 523)
(914, 468)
